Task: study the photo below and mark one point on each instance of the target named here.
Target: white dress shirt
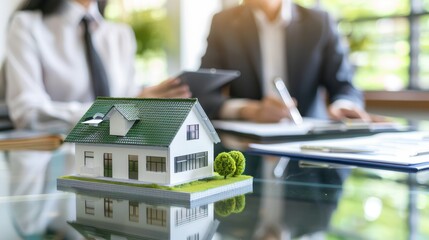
(48, 81)
(272, 40)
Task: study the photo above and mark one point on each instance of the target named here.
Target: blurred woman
(50, 70)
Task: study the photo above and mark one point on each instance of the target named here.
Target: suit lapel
(246, 27)
(293, 33)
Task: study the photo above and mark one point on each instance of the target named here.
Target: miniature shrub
(231, 205)
(240, 203)
(240, 162)
(225, 207)
(224, 164)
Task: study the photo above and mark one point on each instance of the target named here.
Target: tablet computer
(206, 80)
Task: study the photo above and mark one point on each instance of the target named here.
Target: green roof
(159, 121)
(129, 111)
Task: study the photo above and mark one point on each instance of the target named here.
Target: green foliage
(224, 164)
(151, 29)
(225, 208)
(208, 183)
(231, 205)
(240, 203)
(240, 162)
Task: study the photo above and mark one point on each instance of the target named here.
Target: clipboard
(205, 80)
(346, 162)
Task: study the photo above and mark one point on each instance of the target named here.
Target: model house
(108, 218)
(162, 141)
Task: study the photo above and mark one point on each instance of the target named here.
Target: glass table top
(291, 199)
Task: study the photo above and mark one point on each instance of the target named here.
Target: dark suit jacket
(314, 58)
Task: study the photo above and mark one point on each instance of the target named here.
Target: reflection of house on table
(162, 141)
(107, 218)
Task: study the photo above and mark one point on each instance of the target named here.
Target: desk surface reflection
(301, 201)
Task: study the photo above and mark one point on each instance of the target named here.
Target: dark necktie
(100, 83)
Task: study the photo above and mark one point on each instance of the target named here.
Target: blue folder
(367, 164)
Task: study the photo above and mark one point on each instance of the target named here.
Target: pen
(287, 99)
(331, 149)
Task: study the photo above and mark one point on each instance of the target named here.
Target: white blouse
(48, 86)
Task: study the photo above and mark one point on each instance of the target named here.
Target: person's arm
(170, 88)
(30, 106)
(345, 100)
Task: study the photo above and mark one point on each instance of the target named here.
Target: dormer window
(122, 117)
(192, 131)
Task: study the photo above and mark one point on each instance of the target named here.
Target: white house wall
(120, 161)
(199, 226)
(120, 220)
(181, 146)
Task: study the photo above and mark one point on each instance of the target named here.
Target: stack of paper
(309, 127)
(406, 149)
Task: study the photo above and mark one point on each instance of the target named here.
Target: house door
(133, 167)
(107, 164)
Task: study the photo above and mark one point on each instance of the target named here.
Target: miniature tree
(224, 164)
(225, 207)
(240, 162)
(235, 204)
(240, 203)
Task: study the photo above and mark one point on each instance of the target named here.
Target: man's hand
(340, 113)
(268, 110)
(170, 88)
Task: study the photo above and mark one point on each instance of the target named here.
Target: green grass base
(191, 187)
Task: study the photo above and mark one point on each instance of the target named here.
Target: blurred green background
(388, 39)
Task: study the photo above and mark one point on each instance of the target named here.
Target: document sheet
(402, 148)
(309, 126)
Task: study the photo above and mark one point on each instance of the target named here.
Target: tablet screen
(203, 80)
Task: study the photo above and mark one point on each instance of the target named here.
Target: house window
(155, 216)
(192, 132)
(107, 164)
(88, 157)
(108, 207)
(187, 215)
(134, 211)
(89, 207)
(155, 164)
(133, 167)
(190, 162)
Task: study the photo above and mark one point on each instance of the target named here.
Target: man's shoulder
(310, 13)
(231, 13)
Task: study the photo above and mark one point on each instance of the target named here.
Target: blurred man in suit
(277, 38)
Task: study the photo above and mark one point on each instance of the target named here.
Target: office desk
(301, 200)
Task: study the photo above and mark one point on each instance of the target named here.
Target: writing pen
(287, 99)
(332, 149)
